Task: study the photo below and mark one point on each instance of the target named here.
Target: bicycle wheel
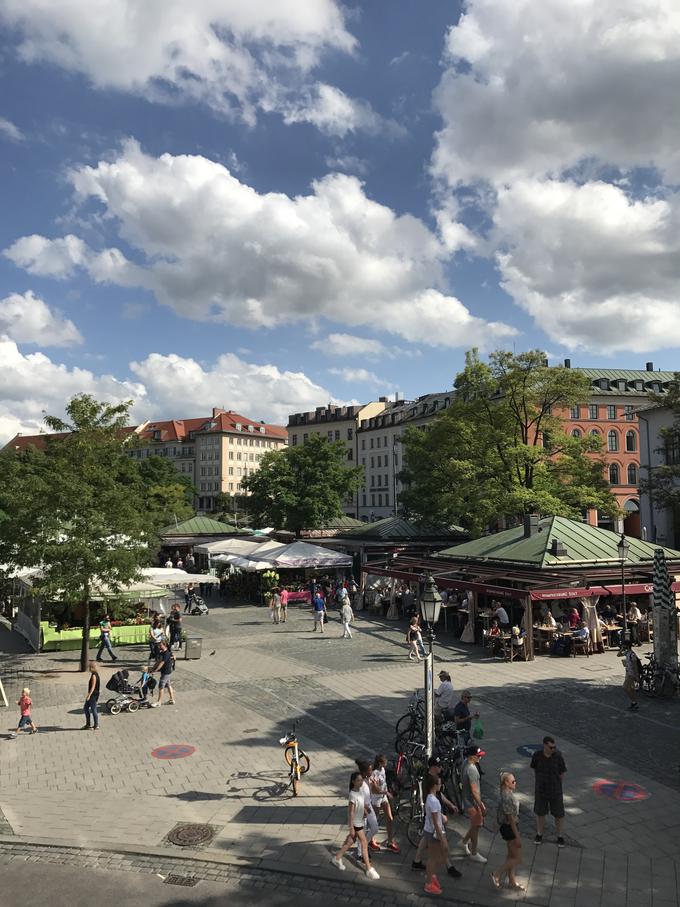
(303, 758)
(405, 724)
(295, 780)
(414, 830)
(303, 762)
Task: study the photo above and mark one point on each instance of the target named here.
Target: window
(576, 433)
(379, 500)
(629, 414)
(592, 410)
(377, 442)
(202, 470)
(231, 470)
(611, 412)
(350, 454)
(337, 434)
(251, 457)
(372, 501)
(363, 461)
(387, 500)
(293, 440)
(387, 481)
(385, 440)
(614, 474)
(350, 434)
(612, 440)
(372, 481)
(231, 454)
(595, 432)
(231, 486)
(575, 412)
(631, 441)
(330, 434)
(304, 439)
(632, 474)
(371, 443)
(363, 500)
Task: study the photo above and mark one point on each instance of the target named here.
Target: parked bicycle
(296, 759)
(657, 679)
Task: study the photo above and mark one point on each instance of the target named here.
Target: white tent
(251, 566)
(171, 576)
(300, 554)
(229, 546)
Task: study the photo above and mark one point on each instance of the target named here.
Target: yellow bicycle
(296, 760)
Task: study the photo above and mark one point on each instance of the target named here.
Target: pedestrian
(414, 639)
(434, 834)
(166, 664)
(319, 606)
(156, 637)
(145, 684)
(501, 616)
(549, 768)
(189, 598)
(190, 563)
(382, 799)
(276, 606)
(507, 817)
(462, 715)
(474, 806)
(347, 618)
(25, 704)
(356, 833)
(444, 696)
(370, 818)
(434, 767)
(175, 624)
(634, 617)
(284, 604)
(168, 564)
(90, 707)
(633, 668)
(105, 638)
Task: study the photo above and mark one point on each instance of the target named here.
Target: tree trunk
(85, 647)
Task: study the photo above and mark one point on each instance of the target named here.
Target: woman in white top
(276, 606)
(355, 817)
(381, 797)
(435, 836)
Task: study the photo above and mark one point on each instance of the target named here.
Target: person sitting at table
(581, 632)
(608, 613)
(501, 616)
(634, 617)
(495, 638)
(549, 620)
(573, 618)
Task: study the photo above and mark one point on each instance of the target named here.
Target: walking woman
(414, 640)
(90, 707)
(508, 814)
(356, 828)
(434, 833)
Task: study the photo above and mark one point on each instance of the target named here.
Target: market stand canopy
(196, 529)
(171, 576)
(555, 542)
(300, 554)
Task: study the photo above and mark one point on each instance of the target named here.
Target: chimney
(558, 548)
(567, 363)
(530, 524)
(382, 399)
(546, 363)
(650, 366)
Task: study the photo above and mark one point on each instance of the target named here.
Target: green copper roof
(200, 525)
(612, 374)
(393, 527)
(585, 545)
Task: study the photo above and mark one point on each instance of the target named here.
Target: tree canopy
(168, 494)
(77, 509)
(500, 449)
(301, 487)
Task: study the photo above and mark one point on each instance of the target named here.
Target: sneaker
(338, 864)
(373, 845)
(154, 705)
(394, 847)
(372, 874)
(477, 858)
(633, 707)
(466, 849)
(171, 701)
(13, 736)
(560, 841)
(452, 871)
(432, 887)
(538, 839)
(417, 864)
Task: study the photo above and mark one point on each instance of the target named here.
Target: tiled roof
(222, 421)
(21, 442)
(201, 525)
(393, 528)
(585, 545)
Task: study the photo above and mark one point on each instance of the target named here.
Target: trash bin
(192, 647)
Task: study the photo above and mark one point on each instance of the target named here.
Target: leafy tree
(230, 508)
(169, 495)
(302, 487)
(76, 509)
(500, 449)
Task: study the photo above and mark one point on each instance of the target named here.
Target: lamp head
(430, 602)
(623, 547)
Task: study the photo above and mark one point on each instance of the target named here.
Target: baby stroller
(198, 606)
(129, 697)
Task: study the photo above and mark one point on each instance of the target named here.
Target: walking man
(549, 768)
(165, 664)
(632, 666)
(319, 606)
(105, 638)
(347, 617)
(284, 604)
(474, 807)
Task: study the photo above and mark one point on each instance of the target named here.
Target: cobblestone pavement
(69, 787)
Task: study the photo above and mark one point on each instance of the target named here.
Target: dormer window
(261, 429)
(250, 428)
(157, 434)
(238, 426)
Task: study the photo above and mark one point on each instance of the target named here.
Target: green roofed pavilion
(395, 528)
(200, 525)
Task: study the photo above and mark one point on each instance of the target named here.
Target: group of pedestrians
(278, 605)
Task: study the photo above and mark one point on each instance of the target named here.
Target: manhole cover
(191, 835)
(186, 881)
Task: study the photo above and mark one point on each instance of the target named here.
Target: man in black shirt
(462, 715)
(165, 663)
(549, 768)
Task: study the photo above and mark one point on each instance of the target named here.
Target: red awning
(631, 589)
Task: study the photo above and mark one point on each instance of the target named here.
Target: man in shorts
(319, 608)
(473, 805)
(549, 768)
(165, 664)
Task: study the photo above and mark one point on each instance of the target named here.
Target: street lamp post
(430, 605)
(623, 548)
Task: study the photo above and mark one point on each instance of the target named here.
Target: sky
(267, 207)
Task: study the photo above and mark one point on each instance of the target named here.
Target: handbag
(477, 730)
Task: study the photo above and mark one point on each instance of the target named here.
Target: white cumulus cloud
(26, 318)
(212, 248)
(535, 87)
(360, 376)
(10, 131)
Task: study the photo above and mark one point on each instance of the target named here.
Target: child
(25, 721)
(356, 827)
(347, 618)
(381, 797)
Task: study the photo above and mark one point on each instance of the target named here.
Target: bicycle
(411, 726)
(296, 759)
(657, 679)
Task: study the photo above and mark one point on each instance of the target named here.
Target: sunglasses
(552, 746)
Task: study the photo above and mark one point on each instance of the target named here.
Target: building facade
(381, 455)
(661, 525)
(337, 423)
(611, 413)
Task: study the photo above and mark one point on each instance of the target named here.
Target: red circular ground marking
(173, 751)
(623, 791)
